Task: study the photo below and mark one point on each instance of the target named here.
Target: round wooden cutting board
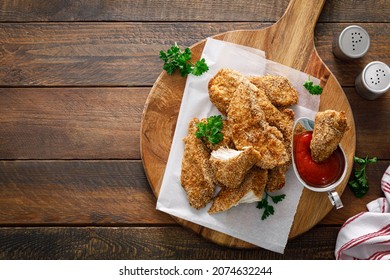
(290, 41)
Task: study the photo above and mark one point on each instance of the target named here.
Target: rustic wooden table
(74, 78)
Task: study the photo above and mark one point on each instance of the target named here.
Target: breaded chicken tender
(222, 87)
(288, 124)
(277, 88)
(277, 177)
(251, 190)
(250, 128)
(230, 166)
(329, 128)
(196, 173)
(282, 120)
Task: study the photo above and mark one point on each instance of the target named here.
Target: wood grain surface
(85, 123)
(129, 243)
(74, 78)
(181, 10)
(290, 41)
(76, 192)
(124, 54)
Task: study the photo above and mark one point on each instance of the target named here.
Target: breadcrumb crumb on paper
(243, 220)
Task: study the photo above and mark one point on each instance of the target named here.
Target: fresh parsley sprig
(313, 89)
(174, 58)
(211, 129)
(264, 204)
(358, 182)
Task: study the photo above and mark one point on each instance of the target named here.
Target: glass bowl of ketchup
(318, 177)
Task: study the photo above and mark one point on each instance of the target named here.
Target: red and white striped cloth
(367, 234)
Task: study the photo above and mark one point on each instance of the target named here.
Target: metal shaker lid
(354, 41)
(376, 77)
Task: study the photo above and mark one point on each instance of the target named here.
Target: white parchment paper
(243, 221)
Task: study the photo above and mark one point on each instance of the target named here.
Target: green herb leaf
(175, 59)
(200, 67)
(359, 160)
(358, 182)
(264, 204)
(278, 198)
(211, 130)
(185, 69)
(313, 89)
(268, 212)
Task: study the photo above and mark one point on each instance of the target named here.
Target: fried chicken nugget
(230, 166)
(277, 88)
(196, 173)
(329, 128)
(251, 190)
(250, 128)
(222, 87)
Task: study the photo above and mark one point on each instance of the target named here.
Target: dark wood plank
(141, 10)
(181, 10)
(372, 118)
(126, 54)
(104, 123)
(355, 11)
(67, 123)
(105, 54)
(76, 192)
(106, 193)
(147, 243)
(353, 205)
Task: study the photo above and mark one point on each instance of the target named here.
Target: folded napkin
(367, 234)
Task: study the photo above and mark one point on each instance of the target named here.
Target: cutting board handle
(293, 33)
(302, 14)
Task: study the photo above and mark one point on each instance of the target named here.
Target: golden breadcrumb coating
(288, 125)
(230, 166)
(250, 128)
(196, 173)
(277, 88)
(277, 177)
(222, 87)
(253, 185)
(282, 120)
(329, 128)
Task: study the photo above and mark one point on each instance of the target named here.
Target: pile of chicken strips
(255, 151)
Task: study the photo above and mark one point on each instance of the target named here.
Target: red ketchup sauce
(316, 174)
